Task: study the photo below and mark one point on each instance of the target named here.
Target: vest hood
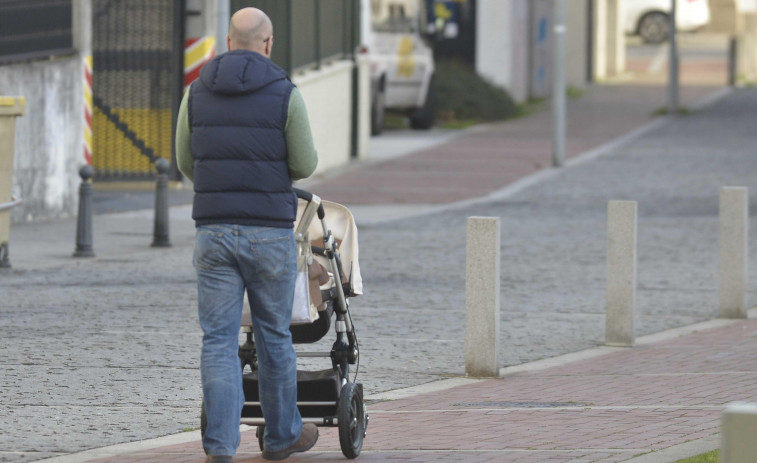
(240, 71)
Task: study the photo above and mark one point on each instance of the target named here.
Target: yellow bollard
(10, 108)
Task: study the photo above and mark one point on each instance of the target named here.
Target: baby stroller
(328, 255)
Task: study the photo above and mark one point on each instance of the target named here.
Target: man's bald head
(250, 29)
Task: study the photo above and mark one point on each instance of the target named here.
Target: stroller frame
(327, 398)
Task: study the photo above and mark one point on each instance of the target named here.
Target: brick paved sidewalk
(493, 156)
(609, 408)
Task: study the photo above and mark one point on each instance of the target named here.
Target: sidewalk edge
(126, 448)
(680, 451)
(592, 352)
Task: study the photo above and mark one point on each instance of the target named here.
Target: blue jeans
(228, 260)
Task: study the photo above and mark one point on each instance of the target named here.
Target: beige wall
(328, 96)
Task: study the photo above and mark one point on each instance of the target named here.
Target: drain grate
(520, 404)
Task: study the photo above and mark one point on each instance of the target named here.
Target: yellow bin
(10, 108)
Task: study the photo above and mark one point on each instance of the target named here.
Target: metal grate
(134, 81)
(309, 33)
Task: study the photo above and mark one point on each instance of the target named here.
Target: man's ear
(228, 42)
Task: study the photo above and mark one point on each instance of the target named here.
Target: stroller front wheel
(351, 418)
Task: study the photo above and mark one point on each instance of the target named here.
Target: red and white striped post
(88, 109)
(197, 52)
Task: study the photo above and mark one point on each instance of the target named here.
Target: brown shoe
(308, 438)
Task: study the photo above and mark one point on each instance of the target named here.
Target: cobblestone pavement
(96, 352)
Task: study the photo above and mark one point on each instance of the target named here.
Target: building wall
(609, 39)
(515, 45)
(722, 17)
(576, 42)
(49, 150)
(502, 57)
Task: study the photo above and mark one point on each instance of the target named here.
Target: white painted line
(549, 409)
(474, 451)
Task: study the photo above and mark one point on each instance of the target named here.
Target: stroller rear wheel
(203, 421)
(351, 416)
(259, 434)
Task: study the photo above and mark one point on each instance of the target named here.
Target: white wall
(328, 96)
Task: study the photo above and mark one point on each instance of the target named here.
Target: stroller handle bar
(307, 196)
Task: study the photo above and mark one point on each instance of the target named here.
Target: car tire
(423, 118)
(654, 27)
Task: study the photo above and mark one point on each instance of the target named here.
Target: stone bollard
(738, 427)
(160, 228)
(733, 243)
(84, 219)
(621, 273)
(482, 284)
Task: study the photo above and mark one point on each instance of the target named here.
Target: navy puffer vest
(238, 110)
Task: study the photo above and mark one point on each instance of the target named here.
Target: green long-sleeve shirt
(302, 160)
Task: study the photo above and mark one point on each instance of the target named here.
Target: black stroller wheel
(259, 434)
(203, 421)
(351, 416)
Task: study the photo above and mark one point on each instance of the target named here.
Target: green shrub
(463, 97)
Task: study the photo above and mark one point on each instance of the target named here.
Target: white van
(401, 62)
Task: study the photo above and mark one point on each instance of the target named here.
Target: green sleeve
(303, 158)
(184, 158)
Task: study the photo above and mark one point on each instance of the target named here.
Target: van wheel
(654, 27)
(377, 112)
(423, 117)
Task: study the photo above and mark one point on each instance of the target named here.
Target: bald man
(242, 137)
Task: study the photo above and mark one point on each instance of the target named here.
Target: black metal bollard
(160, 229)
(732, 61)
(84, 220)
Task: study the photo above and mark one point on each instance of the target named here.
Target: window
(34, 29)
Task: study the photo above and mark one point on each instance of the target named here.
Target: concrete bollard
(160, 229)
(738, 427)
(482, 284)
(733, 237)
(621, 273)
(84, 219)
